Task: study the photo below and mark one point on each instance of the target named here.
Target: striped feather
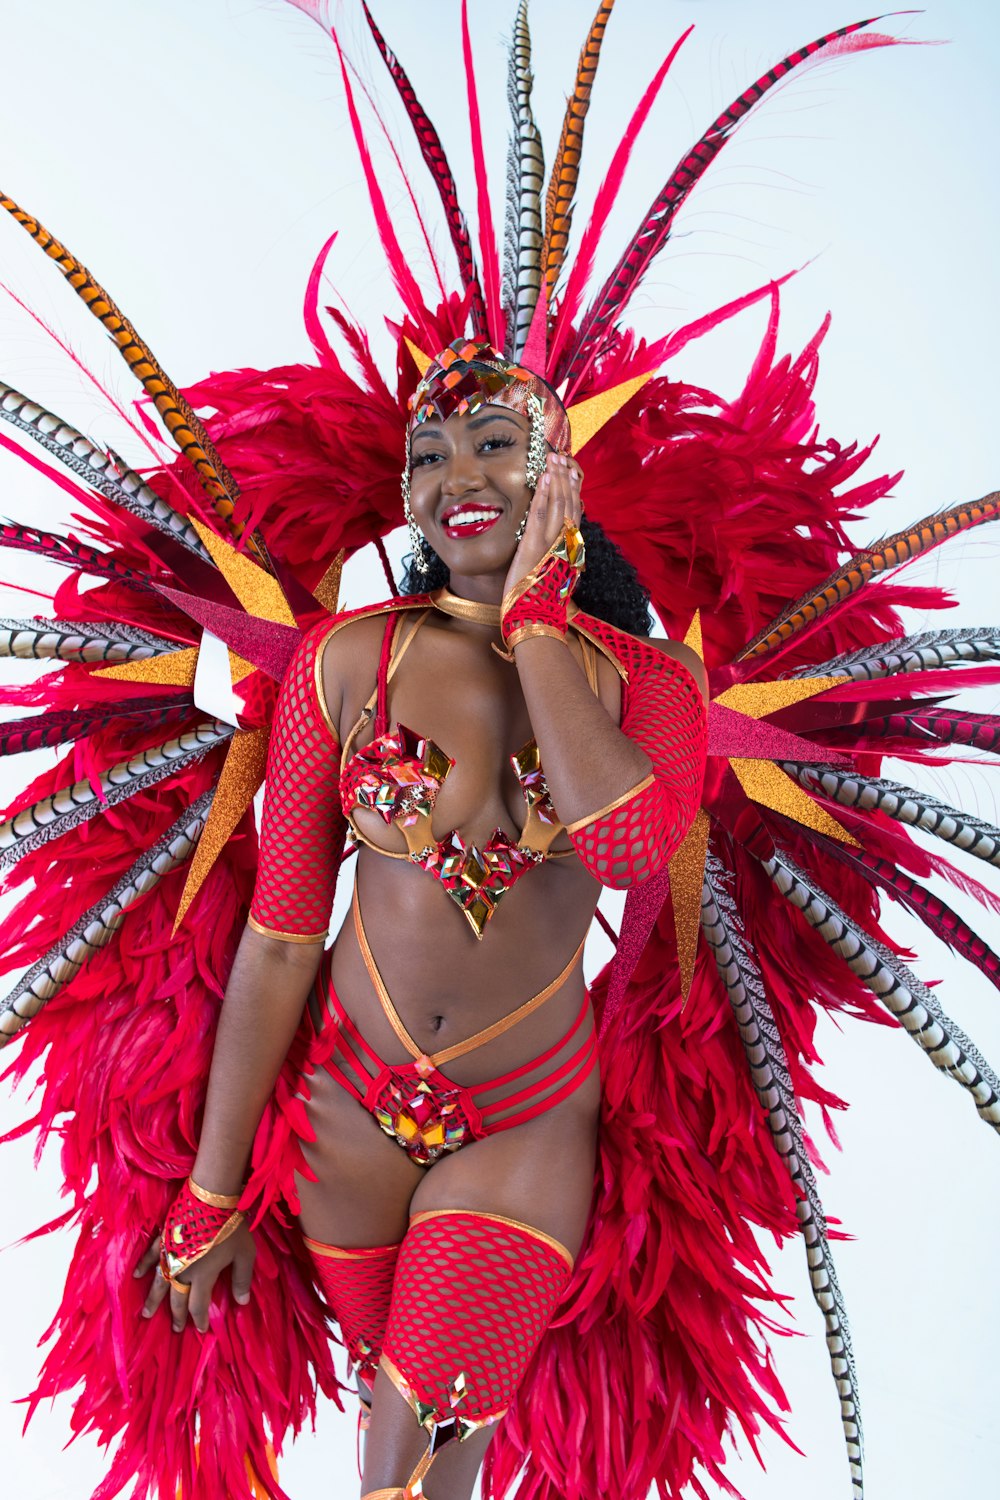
(936, 915)
(437, 164)
(656, 227)
(177, 416)
(902, 803)
(70, 553)
(103, 471)
(583, 261)
(57, 726)
(561, 191)
(900, 991)
(772, 1080)
(930, 727)
(928, 651)
(522, 270)
(95, 929)
(399, 266)
(70, 806)
(75, 640)
(880, 558)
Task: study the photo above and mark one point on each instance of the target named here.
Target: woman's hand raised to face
(555, 502)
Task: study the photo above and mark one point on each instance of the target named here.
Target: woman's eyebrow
(492, 416)
(431, 430)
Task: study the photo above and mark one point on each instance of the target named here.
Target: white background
(196, 156)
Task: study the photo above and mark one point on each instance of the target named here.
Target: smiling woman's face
(467, 487)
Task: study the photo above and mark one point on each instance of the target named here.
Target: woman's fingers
(563, 493)
(179, 1308)
(199, 1302)
(157, 1292)
(243, 1272)
(150, 1258)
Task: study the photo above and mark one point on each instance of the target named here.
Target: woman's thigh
(364, 1181)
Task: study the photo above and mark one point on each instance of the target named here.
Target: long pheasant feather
(95, 929)
(899, 990)
(70, 806)
(929, 727)
(904, 804)
(58, 726)
(655, 229)
(881, 557)
(402, 276)
(929, 651)
(437, 164)
(176, 414)
(70, 553)
(724, 931)
(561, 191)
(583, 261)
(936, 915)
(522, 271)
(76, 640)
(103, 471)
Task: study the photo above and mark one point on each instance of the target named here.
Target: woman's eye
(419, 459)
(501, 441)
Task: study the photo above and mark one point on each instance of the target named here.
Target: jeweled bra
(399, 775)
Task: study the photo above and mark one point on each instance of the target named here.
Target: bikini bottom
(429, 1114)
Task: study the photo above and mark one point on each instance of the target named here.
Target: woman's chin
(476, 557)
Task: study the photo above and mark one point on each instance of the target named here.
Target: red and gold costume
(193, 665)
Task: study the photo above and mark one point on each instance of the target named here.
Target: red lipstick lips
(469, 519)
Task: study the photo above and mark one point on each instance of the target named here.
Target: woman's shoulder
(631, 651)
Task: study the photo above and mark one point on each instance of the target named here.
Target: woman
(729, 507)
(496, 1175)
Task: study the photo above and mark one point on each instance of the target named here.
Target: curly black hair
(609, 588)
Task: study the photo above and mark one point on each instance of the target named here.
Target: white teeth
(472, 517)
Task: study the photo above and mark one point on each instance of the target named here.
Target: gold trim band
(477, 1213)
(530, 631)
(465, 609)
(288, 937)
(336, 1252)
(216, 1200)
(602, 812)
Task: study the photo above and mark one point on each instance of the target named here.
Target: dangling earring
(536, 444)
(418, 543)
(519, 533)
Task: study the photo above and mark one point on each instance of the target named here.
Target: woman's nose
(463, 472)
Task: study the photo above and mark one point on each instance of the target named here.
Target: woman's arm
(264, 1001)
(302, 834)
(626, 793)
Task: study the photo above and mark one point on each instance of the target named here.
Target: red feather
(487, 237)
(437, 163)
(607, 193)
(402, 276)
(655, 229)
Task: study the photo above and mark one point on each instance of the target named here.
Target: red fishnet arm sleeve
(664, 714)
(303, 827)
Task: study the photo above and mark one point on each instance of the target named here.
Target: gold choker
(466, 609)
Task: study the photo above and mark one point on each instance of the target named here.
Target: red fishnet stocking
(357, 1285)
(663, 713)
(472, 1297)
(302, 829)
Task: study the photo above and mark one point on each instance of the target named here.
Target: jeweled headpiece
(470, 374)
